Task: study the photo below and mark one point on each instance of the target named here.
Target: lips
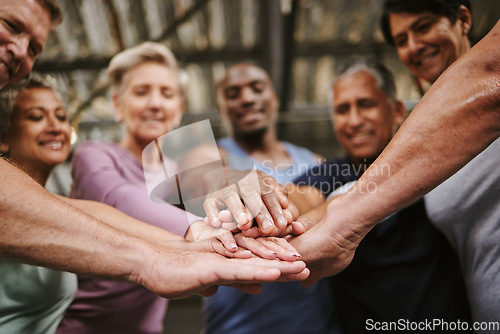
(426, 58)
(360, 138)
(53, 145)
(4, 73)
(6, 66)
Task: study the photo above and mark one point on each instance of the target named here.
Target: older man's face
(364, 118)
(24, 28)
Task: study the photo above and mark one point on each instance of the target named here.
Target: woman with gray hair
(148, 98)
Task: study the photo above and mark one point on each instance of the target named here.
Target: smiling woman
(35, 137)
(36, 131)
(429, 36)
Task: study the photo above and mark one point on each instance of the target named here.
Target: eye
(423, 27)
(168, 93)
(9, 26)
(62, 118)
(400, 41)
(35, 117)
(367, 104)
(232, 93)
(33, 51)
(341, 109)
(140, 92)
(258, 87)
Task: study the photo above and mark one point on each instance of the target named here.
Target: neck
(263, 142)
(134, 146)
(38, 173)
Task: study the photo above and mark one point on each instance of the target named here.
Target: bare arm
(457, 119)
(122, 221)
(38, 228)
(305, 198)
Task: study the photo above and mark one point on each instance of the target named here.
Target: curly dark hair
(9, 95)
(446, 8)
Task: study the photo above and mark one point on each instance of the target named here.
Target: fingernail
(243, 217)
(281, 222)
(267, 224)
(273, 253)
(297, 255)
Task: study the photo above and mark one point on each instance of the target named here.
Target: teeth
(53, 145)
(2, 64)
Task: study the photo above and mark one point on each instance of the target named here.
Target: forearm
(305, 198)
(39, 229)
(123, 222)
(457, 118)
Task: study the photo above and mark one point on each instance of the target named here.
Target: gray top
(466, 208)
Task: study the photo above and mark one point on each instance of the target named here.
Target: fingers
(310, 281)
(298, 228)
(208, 292)
(275, 198)
(279, 190)
(212, 211)
(274, 207)
(254, 232)
(254, 201)
(293, 210)
(303, 275)
(256, 247)
(227, 240)
(239, 253)
(280, 247)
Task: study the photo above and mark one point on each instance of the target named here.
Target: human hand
(176, 273)
(328, 246)
(268, 247)
(224, 242)
(206, 238)
(265, 200)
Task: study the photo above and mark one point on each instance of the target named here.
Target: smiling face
(150, 102)
(427, 43)
(364, 118)
(249, 100)
(24, 28)
(40, 133)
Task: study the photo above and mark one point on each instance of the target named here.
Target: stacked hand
(326, 246)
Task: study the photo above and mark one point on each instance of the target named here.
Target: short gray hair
(8, 97)
(130, 58)
(381, 74)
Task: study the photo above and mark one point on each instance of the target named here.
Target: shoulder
(97, 153)
(94, 147)
(228, 145)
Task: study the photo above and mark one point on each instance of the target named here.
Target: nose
(18, 48)
(414, 44)
(247, 96)
(155, 100)
(54, 125)
(355, 118)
